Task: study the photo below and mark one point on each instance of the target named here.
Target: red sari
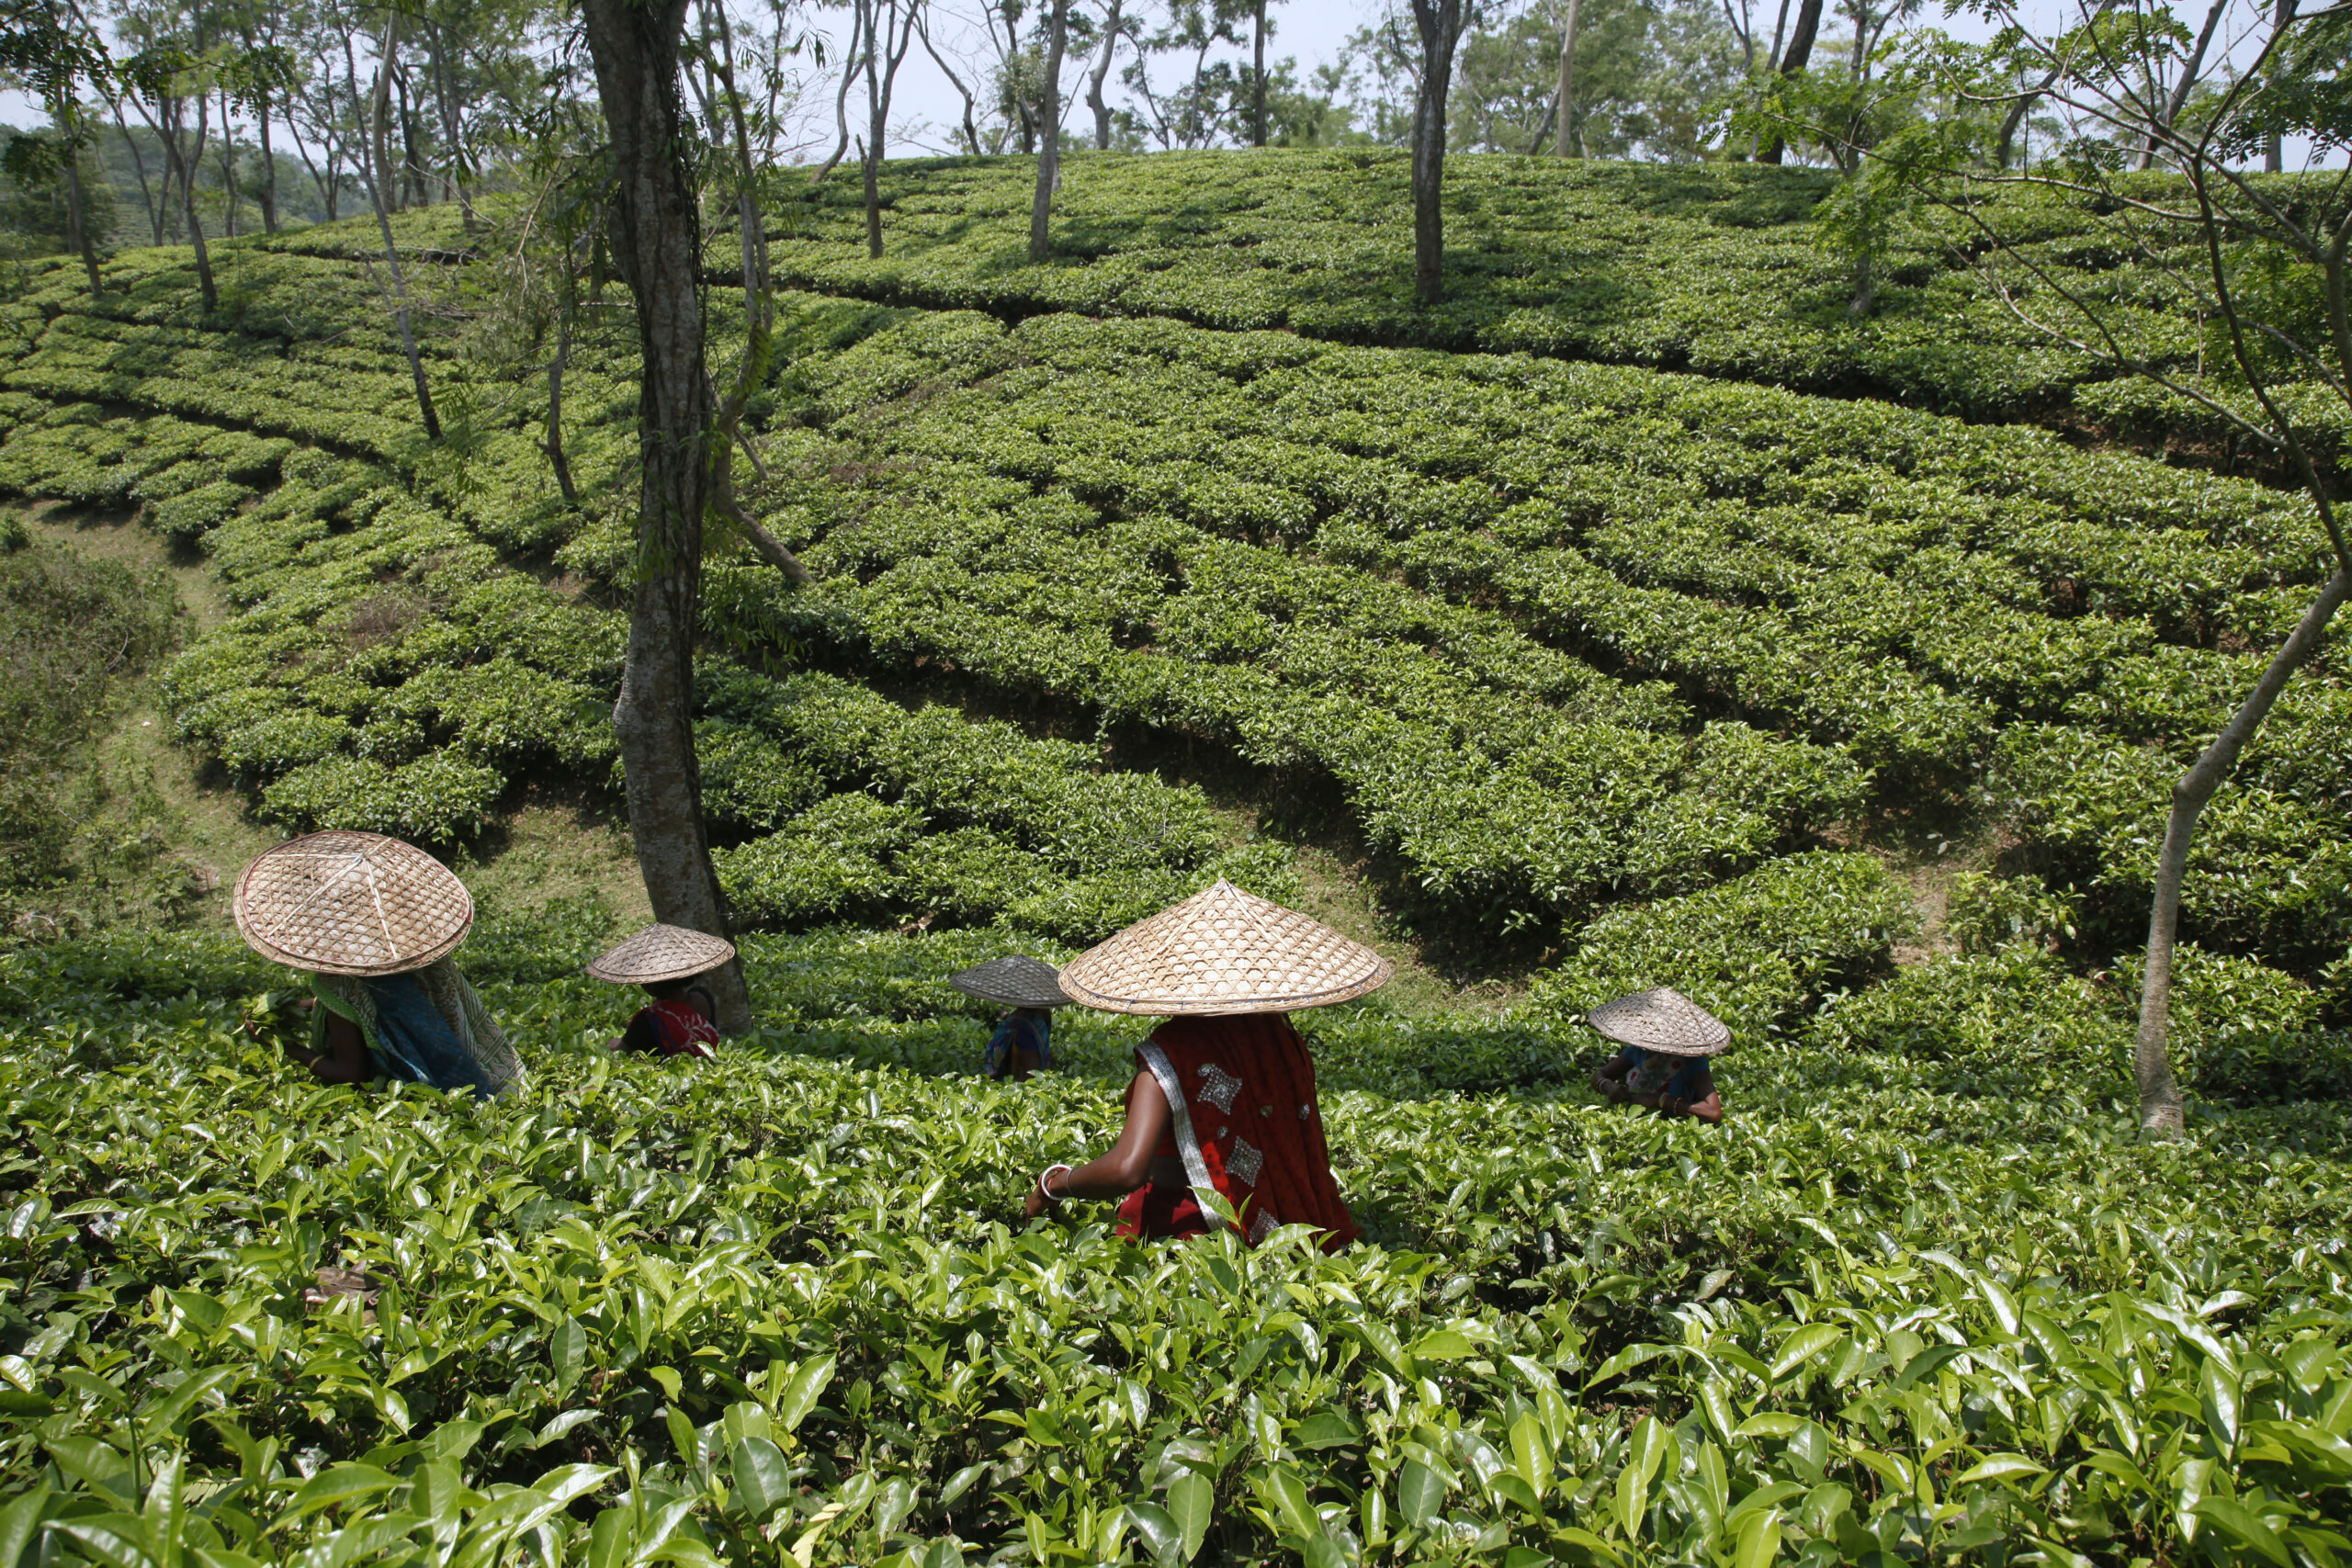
(1243, 1121)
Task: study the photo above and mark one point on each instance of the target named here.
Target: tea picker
(1028, 991)
(373, 922)
(1222, 1115)
(682, 1017)
(1667, 1038)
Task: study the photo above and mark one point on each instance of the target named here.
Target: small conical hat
(1664, 1020)
(1013, 981)
(1224, 950)
(661, 952)
(351, 903)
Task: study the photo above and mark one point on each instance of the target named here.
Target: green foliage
(780, 1300)
(1987, 913)
(72, 630)
(1759, 953)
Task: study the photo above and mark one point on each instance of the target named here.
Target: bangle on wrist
(1046, 1192)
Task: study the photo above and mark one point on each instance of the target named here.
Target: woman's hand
(1036, 1203)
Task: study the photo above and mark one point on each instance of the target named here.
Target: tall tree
(1049, 125)
(657, 246)
(1101, 71)
(890, 32)
(1564, 109)
(1258, 74)
(1439, 25)
(1798, 55)
(47, 45)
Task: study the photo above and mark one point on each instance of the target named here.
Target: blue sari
(425, 1026)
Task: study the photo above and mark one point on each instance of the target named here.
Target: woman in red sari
(1223, 1100)
(681, 1019)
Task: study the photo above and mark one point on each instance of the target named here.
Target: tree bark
(228, 169)
(391, 252)
(187, 164)
(2177, 100)
(1800, 53)
(1049, 125)
(269, 173)
(1258, 81)
(1439, 23)
(1100, 73)
(77, 227)
(556, 458)
(2161, 1111)
(657, 244)
(1569, 146)
(2273, 149)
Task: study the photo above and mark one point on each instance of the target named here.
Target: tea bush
(1899, 1307)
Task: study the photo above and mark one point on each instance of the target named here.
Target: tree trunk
(1258, 81)
(752, 232)
(381, 97)
(2161, 1111)
(187, 164)
(1101, 73)
(2179, 98)
(1049, 125)
(840, 98)
(657, 243)
(1569, 146)
(971, 132)
(2273, 149)
(1800, 53)
(555, 399)
(77, 228)
(228, 170)
(269, 173)
(1439, 23)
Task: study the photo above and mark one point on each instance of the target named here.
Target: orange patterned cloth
(1240, 1094)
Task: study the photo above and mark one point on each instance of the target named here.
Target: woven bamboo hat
(661, 952)
(1664, 1020)
(351, 903)
(1013, 981)
(1224, 950)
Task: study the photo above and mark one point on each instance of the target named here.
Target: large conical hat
(351, 903)
(1664, 1020)
(1224, 950)
(661, 952)
(1012, 981)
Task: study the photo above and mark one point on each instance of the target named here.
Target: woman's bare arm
(1127, 1166)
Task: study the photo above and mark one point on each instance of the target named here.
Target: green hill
(1551, 640)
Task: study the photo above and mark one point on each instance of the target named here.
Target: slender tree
(1439, 25)
(1566, 107)
(890, 32)
(1101, 71)
(657, 245)
(1049, 125)
(1798, 55)
(1258, 74)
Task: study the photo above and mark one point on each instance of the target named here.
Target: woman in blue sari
(373, 922)
(1028, 990)
(1667, 1040)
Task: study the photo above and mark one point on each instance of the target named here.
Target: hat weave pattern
(661, 952)
(1664, 1020)
(1224, 950)
(350, 903)
(1012, 981)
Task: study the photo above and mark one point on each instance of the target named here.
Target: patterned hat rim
(1015, 980)
(1352, 969)
(1659, 1020)
(660, 953)
(253, 911)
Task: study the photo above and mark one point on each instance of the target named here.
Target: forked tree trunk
(657, 243)
(1095, 78)
(1049, 156)
(187, 164)
(2161, 1111)
(1439, 23)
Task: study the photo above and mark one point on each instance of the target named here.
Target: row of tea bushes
(1898, 1306)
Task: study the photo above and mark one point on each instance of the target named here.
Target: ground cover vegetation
(1595, 660)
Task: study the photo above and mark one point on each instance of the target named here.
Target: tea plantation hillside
(1591, 656)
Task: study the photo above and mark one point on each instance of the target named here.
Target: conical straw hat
(661, 952)
(1664, 1020)
(1013, 981)
(351, 903)
(1224, 950)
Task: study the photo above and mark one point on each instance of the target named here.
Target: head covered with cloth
(682, 1020)
(1224, 1101)
(1028, 989)
(1666, 1040)
(373, 922)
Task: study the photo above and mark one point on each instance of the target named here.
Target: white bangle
(1051, 1200)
